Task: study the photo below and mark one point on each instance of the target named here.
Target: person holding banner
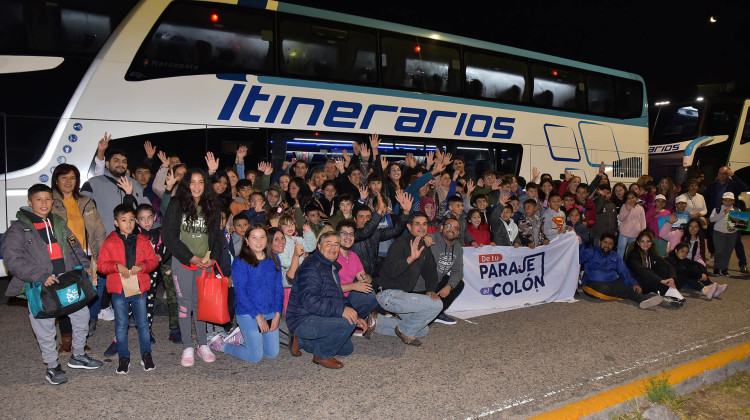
(606, 277)
(405, 263)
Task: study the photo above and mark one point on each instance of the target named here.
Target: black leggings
(612, 289)
(681, 281)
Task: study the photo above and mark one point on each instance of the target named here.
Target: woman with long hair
(80, 214)
(691, 233)
(632, 219)
(692, 273)
(259, 300)
(192, 232)
(545, 189)
(220, 184)
(666, 188)
(618, 195)
(652, 272)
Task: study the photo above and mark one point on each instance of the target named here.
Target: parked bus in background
(700, 137)
(293, 82)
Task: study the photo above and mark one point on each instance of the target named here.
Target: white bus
(293, 82)
(701, 136)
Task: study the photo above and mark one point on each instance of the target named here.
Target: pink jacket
(632, 222)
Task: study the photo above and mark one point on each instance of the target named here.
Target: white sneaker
(651, 302)
(720, 288)
(188, 357)
(709, 291)
(107, 314)
(205, 353)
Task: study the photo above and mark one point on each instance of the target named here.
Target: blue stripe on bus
(586, 151)
(549, 143)
(689, 147)
(637, 122)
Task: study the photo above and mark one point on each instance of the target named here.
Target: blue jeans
(325, 337)
(256, 345)
(622, 244)
(122, 306)
(415, 310)
(363, 303)
(96, 305)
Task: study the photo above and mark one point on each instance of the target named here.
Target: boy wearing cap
(724, 235)
(652, 222)
(680, 210)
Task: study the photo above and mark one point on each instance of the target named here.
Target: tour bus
(294, 83)
(701, 136)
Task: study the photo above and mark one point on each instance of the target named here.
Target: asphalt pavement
(507, 365)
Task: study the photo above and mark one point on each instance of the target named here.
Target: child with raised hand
(505, 230)
(145, 217)
(125, 254)
(478, 229)
(43, 263)
(554, 217)
(574, 221)
(530, 230)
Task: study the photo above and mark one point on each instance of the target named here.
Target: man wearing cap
(727, 183)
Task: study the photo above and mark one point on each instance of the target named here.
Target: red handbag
(213, 292)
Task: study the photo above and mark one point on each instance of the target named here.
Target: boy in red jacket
(123, 255)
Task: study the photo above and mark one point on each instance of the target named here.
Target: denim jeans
(325, 337)
(363, 303)
(622, 244)
(415, 310)
(256, 345)
(122, 306)
(96, 305)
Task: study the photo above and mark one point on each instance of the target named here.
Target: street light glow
(661, 103)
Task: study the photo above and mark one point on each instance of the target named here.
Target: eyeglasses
(347, 234)
(451, 227)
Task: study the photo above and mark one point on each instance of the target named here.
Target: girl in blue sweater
(259, 298)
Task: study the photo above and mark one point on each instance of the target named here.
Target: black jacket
(653, 271)
(170, 234)
(367, 240)
(398, 274)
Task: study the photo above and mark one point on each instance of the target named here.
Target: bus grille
(631, 167)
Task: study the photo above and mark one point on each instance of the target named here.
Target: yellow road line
(607, 399)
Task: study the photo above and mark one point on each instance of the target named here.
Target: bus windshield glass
(676, 123)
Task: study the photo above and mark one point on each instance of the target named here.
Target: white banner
(501, 278)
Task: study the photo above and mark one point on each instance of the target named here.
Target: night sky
(671, 44)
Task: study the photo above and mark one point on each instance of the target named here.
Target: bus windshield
(674, 123)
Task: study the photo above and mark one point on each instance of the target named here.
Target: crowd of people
(355, 246)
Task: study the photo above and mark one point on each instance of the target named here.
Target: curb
(685, 379)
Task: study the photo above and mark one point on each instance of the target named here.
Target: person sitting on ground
(321, 319)
(29, 264)
(653, 273)
(256, 274)
(606, 277)
(405, 263)
(691, 233)
(692, 273)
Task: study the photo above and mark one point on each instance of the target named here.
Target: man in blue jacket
(606, 277)
(320, 318)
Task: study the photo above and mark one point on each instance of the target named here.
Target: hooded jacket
(92, 221)
(449, 259)
(107, 195)
(26, 256)
(113, 252)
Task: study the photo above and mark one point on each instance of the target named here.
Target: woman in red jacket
(125, 255)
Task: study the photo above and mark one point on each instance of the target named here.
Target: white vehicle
(701, 136)
(296, 82)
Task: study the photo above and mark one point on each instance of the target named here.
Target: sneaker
(188, 357)
(147, 362)
(234, 337)
(123, 366)
(92, 327)
(725, 272)
(674, 297)
(83, 361)
(709, 291)
(744, 270)
(175, 336)
(445, 319)
(55, 375)
(358, 333)
(651, 302)
(720, 288)
(107, 314)
(111, 350)
(216, 343)
(673, 301)
(205, 353)
(717, 272)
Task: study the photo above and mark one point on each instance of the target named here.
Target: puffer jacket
(26, 255)
(92, 221)
(316, 291)
(113, 253)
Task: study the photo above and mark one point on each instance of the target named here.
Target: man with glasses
(405, 265)
(449, 256)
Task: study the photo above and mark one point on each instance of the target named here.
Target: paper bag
(130, 286)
